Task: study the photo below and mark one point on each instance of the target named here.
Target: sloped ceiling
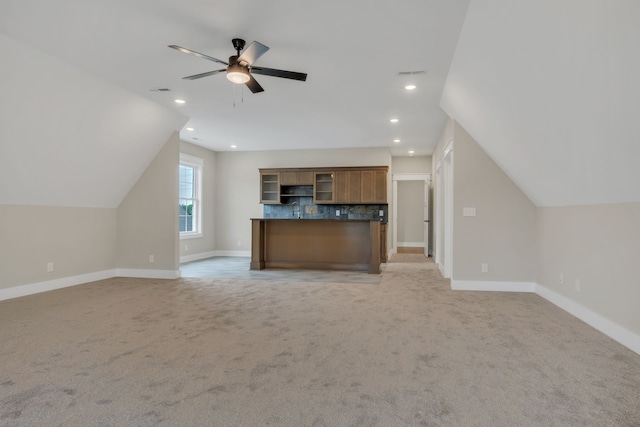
(68, 138)
(551, 91)
(351, 50)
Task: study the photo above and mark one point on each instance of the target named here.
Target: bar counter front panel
(315, 244)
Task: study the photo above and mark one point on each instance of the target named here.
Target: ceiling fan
(240, 67)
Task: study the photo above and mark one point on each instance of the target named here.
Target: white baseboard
(233, 253)
(148, 274)
(411, 244)
(50, 285)
(472, 285)
(211, 254)
(601, 323)
(65, 282)
(196, 257)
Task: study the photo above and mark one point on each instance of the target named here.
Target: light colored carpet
(211, 352)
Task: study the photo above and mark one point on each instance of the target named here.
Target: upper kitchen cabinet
(269, 187)
(373, 186)
(347, 186)
(296, 178)
(323, 189)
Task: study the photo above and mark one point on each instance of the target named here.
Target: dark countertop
(314, 219)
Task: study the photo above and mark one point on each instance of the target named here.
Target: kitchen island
(319, 244)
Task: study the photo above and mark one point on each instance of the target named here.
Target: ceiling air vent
(161, 89)
(411, 73)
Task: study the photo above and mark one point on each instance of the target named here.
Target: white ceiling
(551, 91)
(351, 50)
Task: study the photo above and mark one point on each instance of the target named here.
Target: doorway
(444, 212)
(411, 213)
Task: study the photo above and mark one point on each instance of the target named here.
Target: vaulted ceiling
(550, 90)
(547, 88)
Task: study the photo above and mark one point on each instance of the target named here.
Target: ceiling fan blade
(201, 75)
(253, 85)
(279, 73)
(198, 54)
(253, 52)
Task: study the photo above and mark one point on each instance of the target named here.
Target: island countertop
(315, 219)
(321, 244)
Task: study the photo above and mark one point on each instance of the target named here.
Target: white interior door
(427, 217)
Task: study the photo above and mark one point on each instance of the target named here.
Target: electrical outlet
(337, 212)
(381, 213)
(239, 243)
(49, 267)
(484, 267)
(577, 285)
(152, 259)
(561, 279)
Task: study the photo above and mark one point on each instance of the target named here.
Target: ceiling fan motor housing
(238, 44)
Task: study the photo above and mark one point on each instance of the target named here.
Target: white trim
(233, 253)
(447, 147)
(211, 254)
(50, 285)
(614, 331)
(139, 273)
(411, 244)
(411, 176)
(196, 257)
(425, 177)
(195, 161)
(473, 285)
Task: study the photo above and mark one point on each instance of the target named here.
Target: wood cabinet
(296, 178)
(373, 186)
(323, 191)
(269, 187)
(347, 185)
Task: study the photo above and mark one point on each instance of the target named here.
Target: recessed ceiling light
(396, 140)
(394, 120)
(411, 151)
(233, 146)
(190, 129)
(410, 87)
(179, 101)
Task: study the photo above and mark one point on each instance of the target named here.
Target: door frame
(424, 177)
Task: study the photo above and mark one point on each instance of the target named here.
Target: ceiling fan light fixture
(238, 74)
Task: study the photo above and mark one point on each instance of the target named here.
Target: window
(190, 196)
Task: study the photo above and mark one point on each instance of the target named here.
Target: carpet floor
(221, 352)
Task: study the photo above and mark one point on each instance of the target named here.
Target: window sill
(184, 235)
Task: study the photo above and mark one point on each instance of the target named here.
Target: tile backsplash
(309, 210)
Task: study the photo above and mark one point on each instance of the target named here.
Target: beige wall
(237, 186)
(77, 241)
(503, 232)
(206, 243)
(416, 164)
(148, 215)
(598, 246)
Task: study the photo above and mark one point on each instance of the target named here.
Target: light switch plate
(468, 211)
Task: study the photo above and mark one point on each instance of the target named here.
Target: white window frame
(198, 165)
